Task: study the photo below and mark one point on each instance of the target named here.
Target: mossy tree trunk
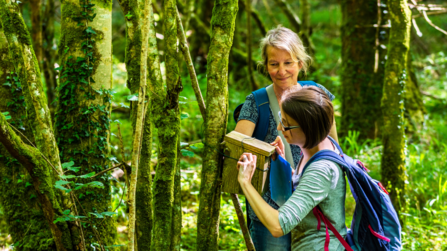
(84, 103)
(222, 26)
(25, 220)
(394, 145)
(166, 116)
(361, 83)
(42, 164)
(414, 105)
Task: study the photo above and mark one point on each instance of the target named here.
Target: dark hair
(313, 110)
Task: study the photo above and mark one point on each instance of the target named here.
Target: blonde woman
(284, 57)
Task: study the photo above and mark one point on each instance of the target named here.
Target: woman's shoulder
(331, 96)
(328, 169)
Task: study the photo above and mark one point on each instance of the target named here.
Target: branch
(241, 218)
(294, 20)
(190, 65)
(256, 17)
(431, 23)
(31, 159)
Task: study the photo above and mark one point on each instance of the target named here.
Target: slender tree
(363, 65)
(166, 116)
(84, 102)
(222, 26)
(36, 31)
(393, 157)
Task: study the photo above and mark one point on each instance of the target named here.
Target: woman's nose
(281, 70)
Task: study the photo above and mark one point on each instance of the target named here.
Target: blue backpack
(375, 225)
(262, 103)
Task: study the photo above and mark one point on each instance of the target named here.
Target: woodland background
(89, 62)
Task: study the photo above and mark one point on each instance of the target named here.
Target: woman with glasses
(306, 118)
(284, 56)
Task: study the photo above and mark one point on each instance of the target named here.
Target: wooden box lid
(249, 143)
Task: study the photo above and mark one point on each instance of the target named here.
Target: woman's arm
(245, 127)
(266, 214)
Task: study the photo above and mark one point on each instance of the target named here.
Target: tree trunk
(49, 54)
(414, 105)
(361, 83)
(36, 161)
(393, 159)
(84, 103)
(25, 220)
(222, 26)
(306, 29)
(166, 116)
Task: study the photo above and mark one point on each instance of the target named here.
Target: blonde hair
(285, 39)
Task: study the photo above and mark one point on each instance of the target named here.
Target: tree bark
(305, 31)
(254, 85)
(166, 115)
(361, 85)
(393, 158)
(222, 26)
(138, 120)
(84, 104)
(25, 224)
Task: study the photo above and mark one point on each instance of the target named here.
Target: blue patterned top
(249, 112)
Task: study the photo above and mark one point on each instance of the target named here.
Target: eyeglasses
(285, 128)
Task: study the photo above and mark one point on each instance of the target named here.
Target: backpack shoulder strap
(262, 103)
(308, 83)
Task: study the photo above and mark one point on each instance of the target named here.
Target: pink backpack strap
(318, 214)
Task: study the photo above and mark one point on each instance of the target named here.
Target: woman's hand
(279, 147)
(246, 166)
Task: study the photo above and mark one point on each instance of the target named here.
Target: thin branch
(241, 218)
(432, 24)
(255, 15)
(106, 170)
(432, 13)
(377, 42)
(190, 65)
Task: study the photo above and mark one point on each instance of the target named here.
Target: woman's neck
(326, 144)
(280, 91)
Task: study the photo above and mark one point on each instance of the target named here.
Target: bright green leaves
(128, 15)
(133, 97)
(6, 114)
(184, 115)
(187, 153)
(70, 166)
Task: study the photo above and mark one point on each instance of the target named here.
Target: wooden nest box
(235, 145)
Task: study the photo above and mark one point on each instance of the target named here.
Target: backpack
(375, 225)
(262, 103)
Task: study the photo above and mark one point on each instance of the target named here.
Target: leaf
(67, 176)
(113, 159)
(95, 184)
(28, 184)
(66, 212)
(62, 182)
(63, 188)
(123, 105)
(67, 164)
(97, 215)
(182, 144)
(184, 115)
(7, 84)
(133, 97)
(6, 115)
(88, 175)
(187, 153)
(110, 214)
(19, 181)
(197, 146)
(32, 196)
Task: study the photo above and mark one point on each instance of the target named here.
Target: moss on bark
(166, 117)
(222, 26)
(394, 145)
